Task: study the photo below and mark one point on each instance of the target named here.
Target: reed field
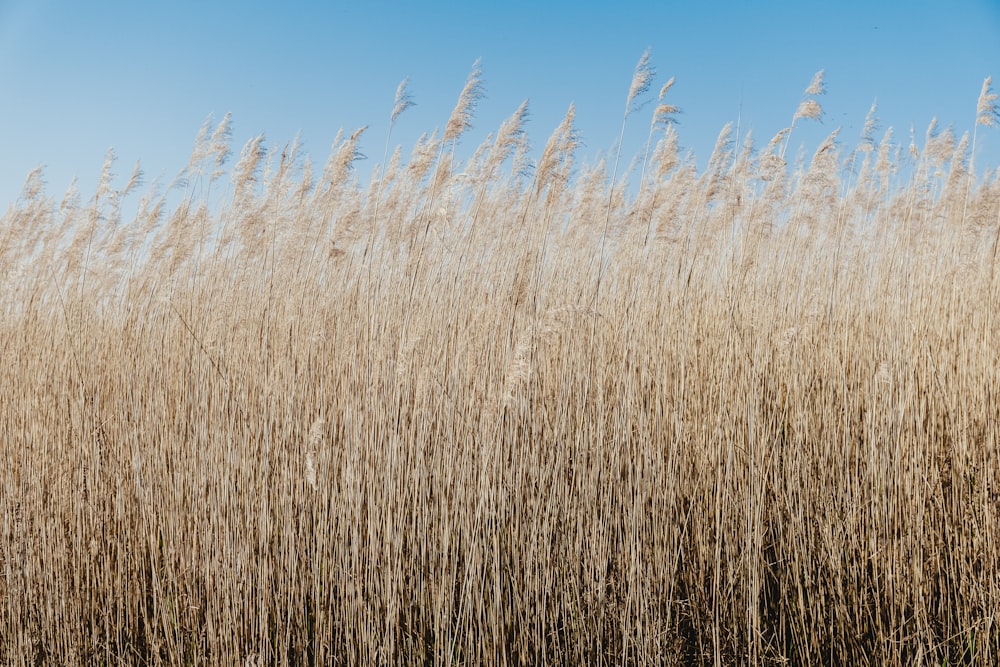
(497, 405)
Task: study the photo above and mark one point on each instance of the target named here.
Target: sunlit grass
(507, 410)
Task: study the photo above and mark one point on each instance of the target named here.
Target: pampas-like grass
(987, 110)
(809, 108)
(738, 413)
(460, 119)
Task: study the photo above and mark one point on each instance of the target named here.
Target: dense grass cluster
(508, 409)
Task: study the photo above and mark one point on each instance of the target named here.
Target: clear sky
(79, 77)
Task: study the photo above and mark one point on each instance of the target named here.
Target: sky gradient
(78, 78)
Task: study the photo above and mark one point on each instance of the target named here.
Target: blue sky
(77, 78)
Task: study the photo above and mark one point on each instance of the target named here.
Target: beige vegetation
(508, 410)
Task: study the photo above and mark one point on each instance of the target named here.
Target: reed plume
(331, 418)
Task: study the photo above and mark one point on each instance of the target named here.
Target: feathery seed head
(134, 181)
(220, 142)
(778, 139)
(342, 158)
(104, 182)
(403, 100)
(871, 126)
(722, 153)
(245, 172)
(667, 86)
(513, 127)
(940, 144)
(932, 129)
(461, 116)
(509, 135)
(772, 160)
(987, 111)
(34, 184)
(809, 109)
(641, 80)
(884, 163)
(816, 86)
(422, 156)
(665, 155)
(202, 146)
(558, 150)
(771, 165)
(664, 114)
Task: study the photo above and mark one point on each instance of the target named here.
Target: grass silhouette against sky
(142, 77)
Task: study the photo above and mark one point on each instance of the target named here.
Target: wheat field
(509, 408)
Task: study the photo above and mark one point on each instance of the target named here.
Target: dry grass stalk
(773, 443)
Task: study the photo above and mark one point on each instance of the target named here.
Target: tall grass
(497, 411)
